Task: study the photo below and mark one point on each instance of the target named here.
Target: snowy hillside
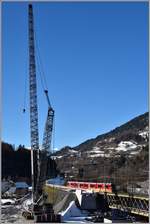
(125, 146)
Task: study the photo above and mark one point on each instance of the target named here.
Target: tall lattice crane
(40, 210)
(39, 158)
(35, 164)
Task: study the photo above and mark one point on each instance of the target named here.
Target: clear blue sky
(95, 59)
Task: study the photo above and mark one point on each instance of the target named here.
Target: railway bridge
(132, 204)
(138, 205)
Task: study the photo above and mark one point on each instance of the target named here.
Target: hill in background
(121, 155)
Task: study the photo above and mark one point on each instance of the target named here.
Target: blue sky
(95, 59)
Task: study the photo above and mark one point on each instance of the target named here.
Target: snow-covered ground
(124, 146)
(7, 201)
(71, 212)
(95, 152)
(12, 214)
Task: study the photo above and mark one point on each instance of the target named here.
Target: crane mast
(33, 106)
(39, 158)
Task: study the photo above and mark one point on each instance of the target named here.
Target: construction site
(66, 198)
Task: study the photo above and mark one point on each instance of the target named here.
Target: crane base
(45, 213)
(47, 218)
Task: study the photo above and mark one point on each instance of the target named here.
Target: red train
(97, 187)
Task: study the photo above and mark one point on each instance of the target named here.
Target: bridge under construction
(130, 204)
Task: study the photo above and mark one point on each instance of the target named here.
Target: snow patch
(73, 151)
(79, 195)
(111, 139)
(99, 155)
(7, 201)
(56, 157)
(94, 152)
(96, 149)
(110, 148)
(126, 145)
(70, 212)
(93, 156)
(144, 134)
(134, 153)
(107, 220)
(27, 203)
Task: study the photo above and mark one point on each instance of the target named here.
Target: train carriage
(97, 187)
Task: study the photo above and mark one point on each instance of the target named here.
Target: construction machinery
(40, 210)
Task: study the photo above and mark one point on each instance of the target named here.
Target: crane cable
(52, 150)
(53, 137)
(40, 66)
(41, 74)
(44, 86)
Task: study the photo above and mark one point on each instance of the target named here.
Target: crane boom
(46, 145)
(48, 131)
(33, 106)
(48, 126)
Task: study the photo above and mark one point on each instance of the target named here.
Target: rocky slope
(121, 154)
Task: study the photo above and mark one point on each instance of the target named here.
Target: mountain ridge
(107, 133)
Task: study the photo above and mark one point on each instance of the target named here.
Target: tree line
(16, 163)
